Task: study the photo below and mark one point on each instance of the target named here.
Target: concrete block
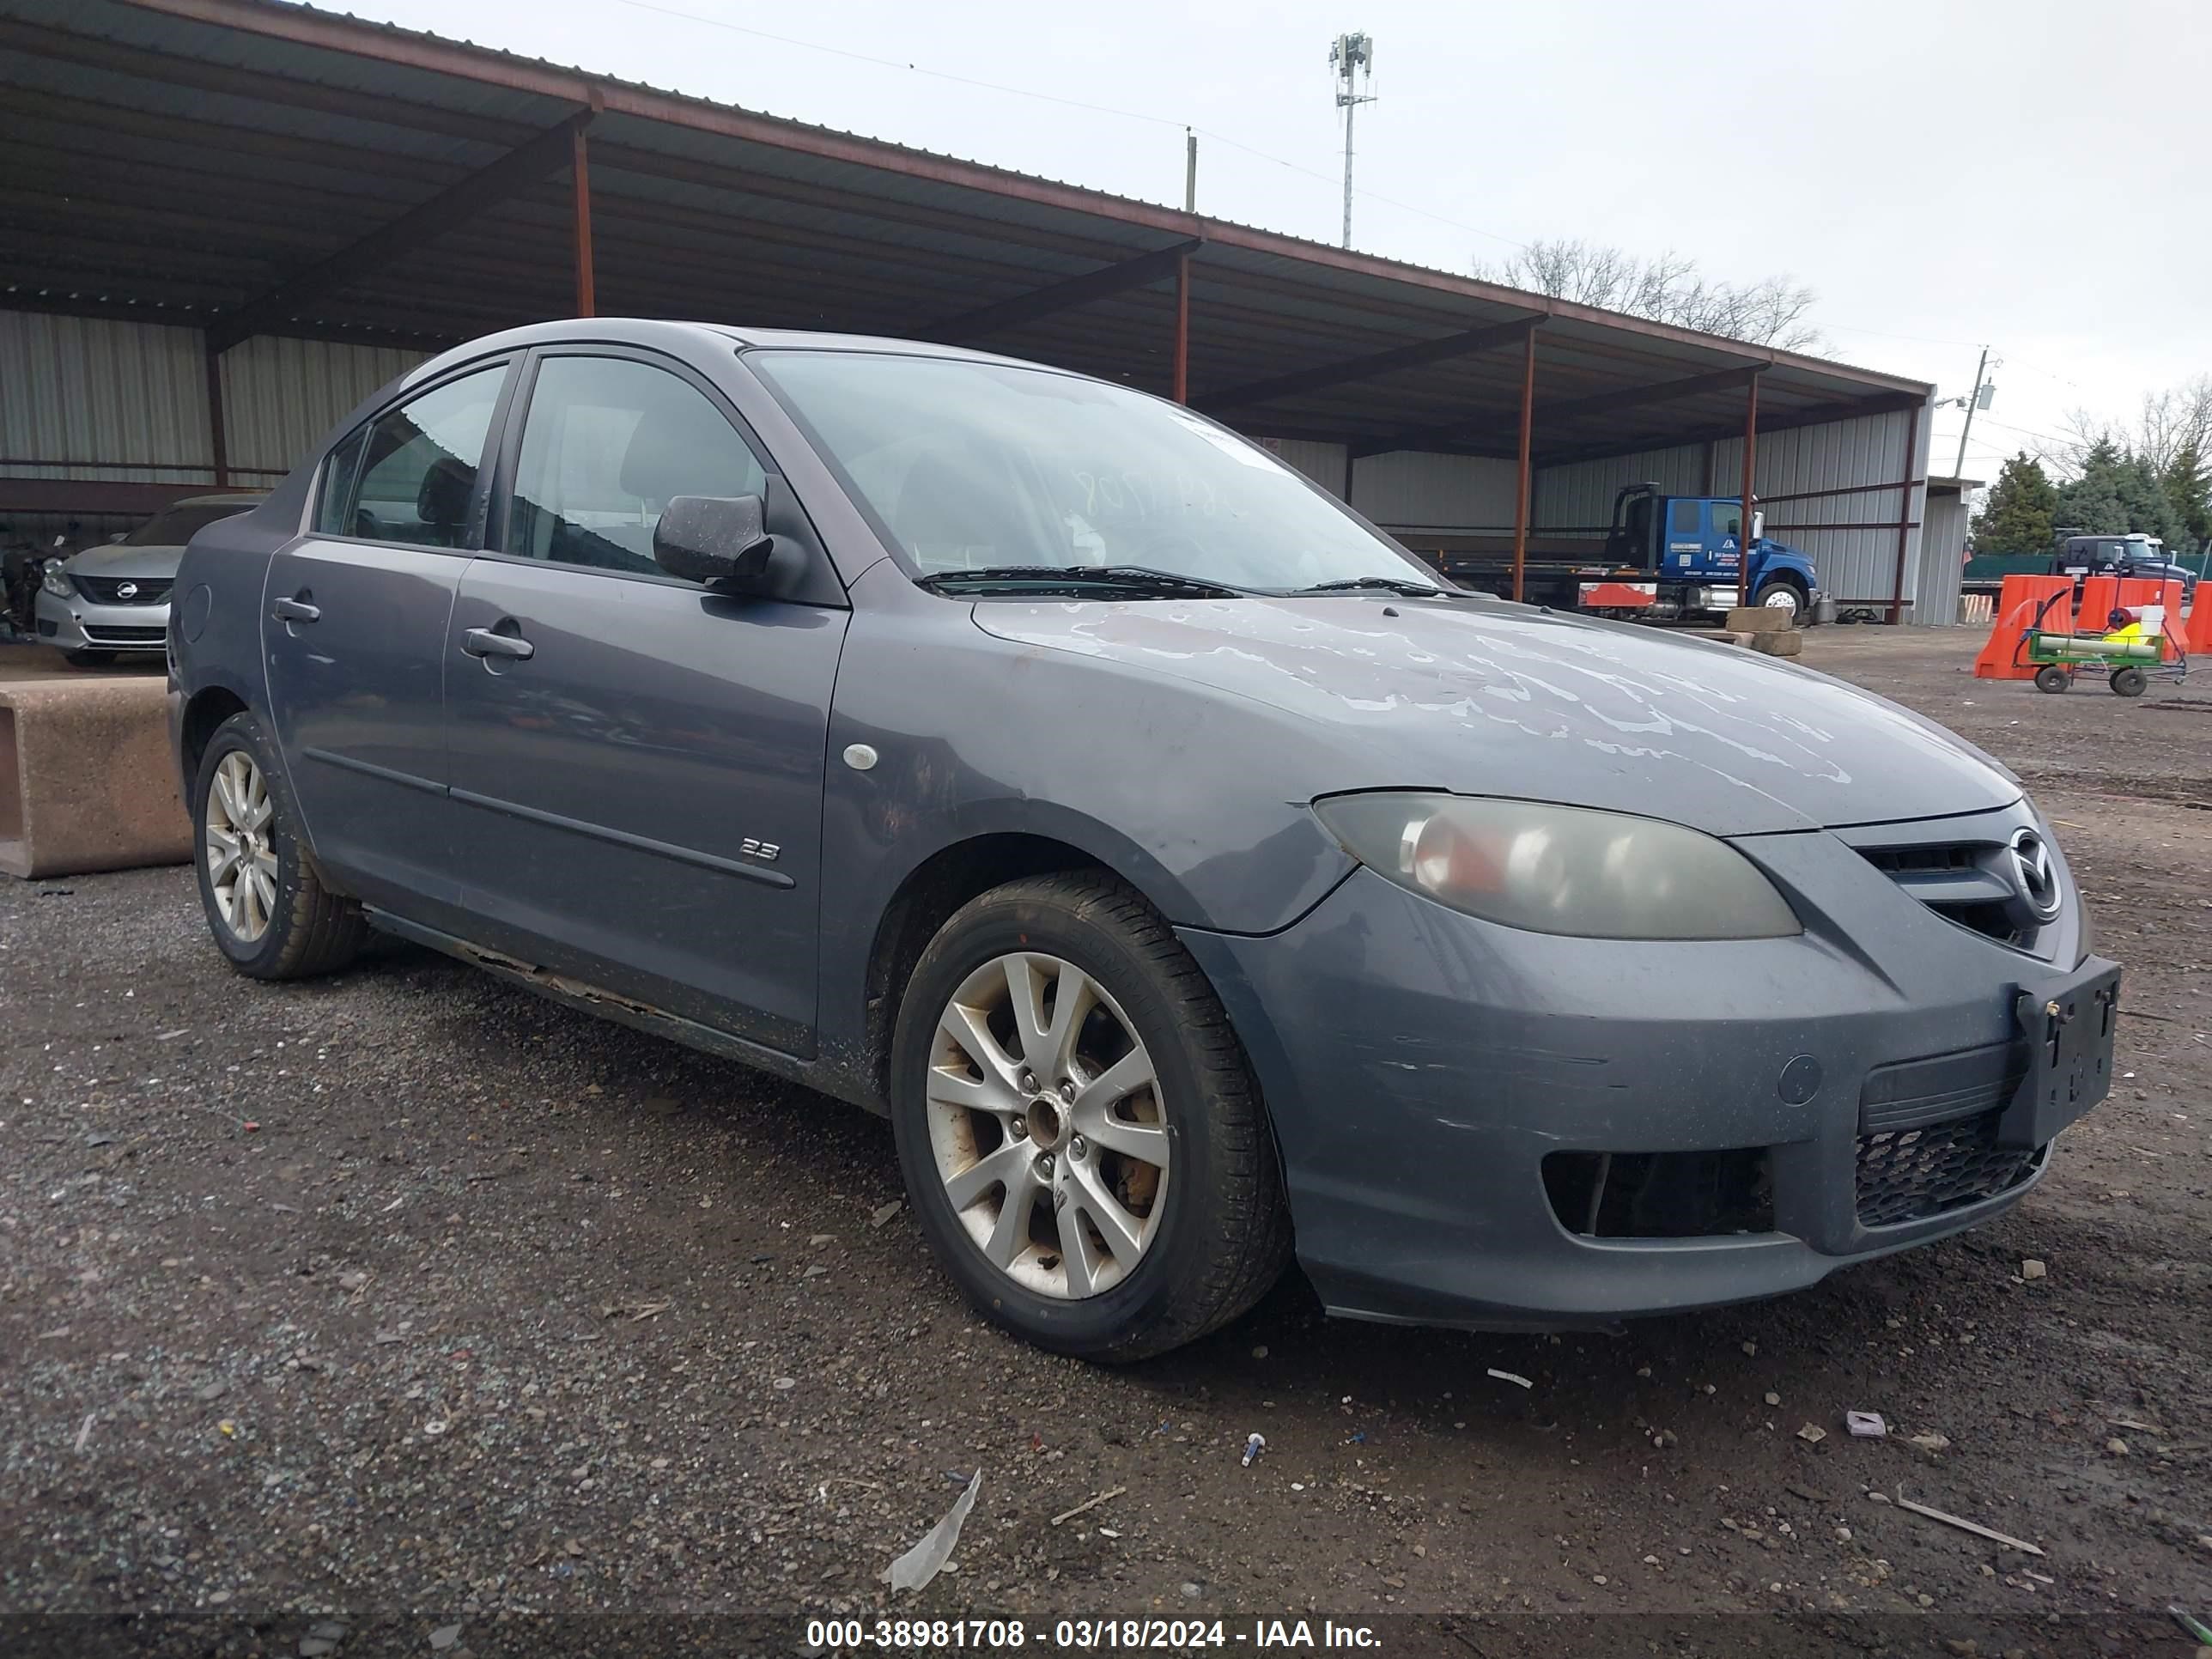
(86, 779)
(1758, 619)
(1790, 644)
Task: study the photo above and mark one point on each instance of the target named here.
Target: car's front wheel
(265, 902)
(1081, 1136)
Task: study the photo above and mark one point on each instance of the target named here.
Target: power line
(1068, 103)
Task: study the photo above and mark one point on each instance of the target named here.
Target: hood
(1482, 698)
(160, 562)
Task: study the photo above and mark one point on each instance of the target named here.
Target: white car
(112, 601)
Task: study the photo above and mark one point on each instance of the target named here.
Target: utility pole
(1352, 56)
(1977, 401)
(1189, 171)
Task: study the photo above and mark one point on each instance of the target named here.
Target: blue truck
(1664, 558)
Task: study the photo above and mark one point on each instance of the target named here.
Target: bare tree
(2169, 423)
(1668, 288)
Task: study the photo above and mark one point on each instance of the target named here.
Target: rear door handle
(295, 610)
(486, 642)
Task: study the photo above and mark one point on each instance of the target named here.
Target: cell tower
(1353, 58)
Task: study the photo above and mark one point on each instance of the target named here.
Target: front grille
(1960, 882)
(1662, 1195)
(126, 639)
(107, 590)
(1909, 1174)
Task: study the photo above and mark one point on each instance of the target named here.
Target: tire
(2129, 681)
(1215, 1225)
(304, 929)
(88, 658)
(1783, 594)
(2053, 679)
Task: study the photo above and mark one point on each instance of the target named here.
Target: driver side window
(609, 442)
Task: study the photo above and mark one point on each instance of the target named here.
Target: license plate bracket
(2069, 1028)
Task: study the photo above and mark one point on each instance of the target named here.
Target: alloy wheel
(241, 854)
(1046, 1125)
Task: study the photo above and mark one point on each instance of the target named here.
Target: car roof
(253, 498)
(654, 332)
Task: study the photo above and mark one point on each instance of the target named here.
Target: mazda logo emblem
(2034, 874)
(127, 591)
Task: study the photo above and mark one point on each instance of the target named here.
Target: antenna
(1352, 56)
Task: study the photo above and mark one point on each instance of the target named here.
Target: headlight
(1560, 869)
(56, 583)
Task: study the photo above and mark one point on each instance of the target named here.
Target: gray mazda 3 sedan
(1190, 878)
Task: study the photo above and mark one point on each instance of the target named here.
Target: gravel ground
(404, 1301)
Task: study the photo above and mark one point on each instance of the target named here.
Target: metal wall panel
(1413, 489)
(85, 389)
(1323, 463)
(1852, 539)
(1579, 497)
(1942, 559)
(280, 397)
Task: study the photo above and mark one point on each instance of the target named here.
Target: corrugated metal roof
(184, 157)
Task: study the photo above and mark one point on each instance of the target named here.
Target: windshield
(975, 466)
(181, 524)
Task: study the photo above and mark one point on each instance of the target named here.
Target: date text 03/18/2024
(1081, 1635)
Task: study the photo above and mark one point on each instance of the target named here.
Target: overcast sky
(1943, 173)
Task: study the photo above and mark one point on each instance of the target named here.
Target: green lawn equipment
(2128, 656)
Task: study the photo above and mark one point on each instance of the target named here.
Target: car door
(637, 761)
(354, 622)
(1723, 537)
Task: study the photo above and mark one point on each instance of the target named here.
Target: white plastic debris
(1868, 1425)
(1509, 1376)
(926, 1558)
(1254, 1445)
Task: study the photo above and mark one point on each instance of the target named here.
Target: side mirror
(1758, 524)
(718, 540)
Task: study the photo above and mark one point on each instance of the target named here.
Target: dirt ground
(403, 1301)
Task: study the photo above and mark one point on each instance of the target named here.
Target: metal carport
(223, 221)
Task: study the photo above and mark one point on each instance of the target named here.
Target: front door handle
(295, 610)
(486, 642)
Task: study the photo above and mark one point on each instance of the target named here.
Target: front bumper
(78, 624)
(1420, 1067)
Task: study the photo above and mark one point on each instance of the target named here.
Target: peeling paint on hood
(1482, 698)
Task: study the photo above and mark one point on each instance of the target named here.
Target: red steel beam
(1750, 454)
(1139, 272)
(584, 273)
(90, 495)
(1182, 329)
(456, 205)
(1905, 518)
(1520, 478)
(218, 435)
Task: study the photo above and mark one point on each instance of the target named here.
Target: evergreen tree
(2119, 494)
(2018, 516)
(2188, 481)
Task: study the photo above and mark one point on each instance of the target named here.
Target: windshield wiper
(1405, 586)
(1126, 578)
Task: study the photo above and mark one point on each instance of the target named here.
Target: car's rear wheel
(1080, 1134)
(265, 902)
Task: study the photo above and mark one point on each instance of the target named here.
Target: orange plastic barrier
(2198, 635)
(2023, 596)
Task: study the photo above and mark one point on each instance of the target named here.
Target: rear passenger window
(609, 442)
(416, 466)
(1682, 518)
